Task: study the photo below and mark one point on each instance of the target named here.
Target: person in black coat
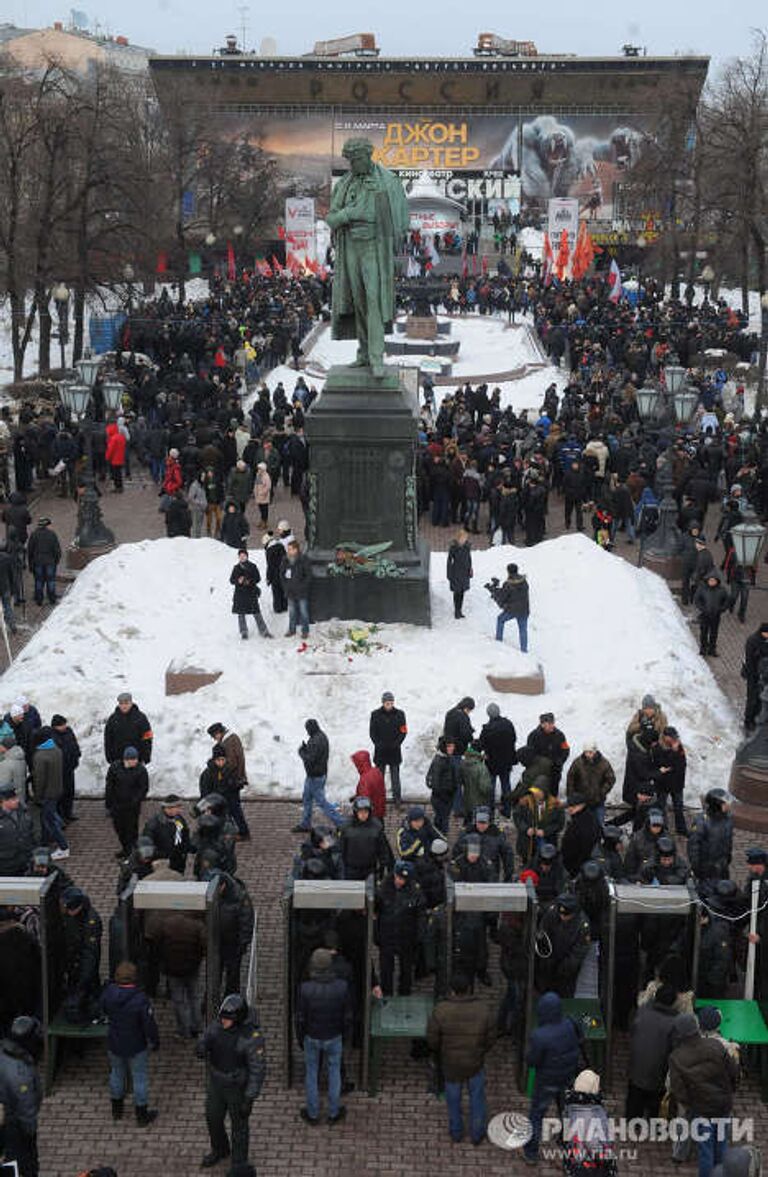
(323, 1020)
(457, 726)
(669, 759)
(755, 658)
(178, 517)
(127, 726)
(400, 917)
(66, 740)
(363, 843)
(296, 580)
(274, 550)
(127, 786)
(234, 527)
(387, 730)
(711, 600)
(458, 569)
(43, 556)
(169, 832)
(549, 742)
(498, 740)
(581, 834)
(218, 776)
(245, 577)
(575, 491)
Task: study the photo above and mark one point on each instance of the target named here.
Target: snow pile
(605, 633)
(488, 347)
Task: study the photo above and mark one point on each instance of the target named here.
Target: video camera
(492, 586)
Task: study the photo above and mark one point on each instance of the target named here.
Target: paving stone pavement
(400, 1133)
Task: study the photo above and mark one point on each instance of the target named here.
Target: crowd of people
(484, 468)
(550, 829)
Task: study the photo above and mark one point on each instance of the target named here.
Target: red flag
(231, 275)
(464, 262)
(561, 262)
(276, 267)
(266, 269)
(484, 263)
(281, 232)
(579, 265)
(162, 262)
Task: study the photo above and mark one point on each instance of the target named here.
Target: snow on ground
(488, 346)
(605, 633)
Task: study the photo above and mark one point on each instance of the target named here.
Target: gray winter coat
(649, 1045)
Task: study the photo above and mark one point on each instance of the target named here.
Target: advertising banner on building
(585, 157)
(563, 213)
(474, 159)
(300, 240)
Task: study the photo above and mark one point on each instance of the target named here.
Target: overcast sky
(444, 28)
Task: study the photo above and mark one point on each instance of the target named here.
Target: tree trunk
(745, 274)
(44, 342)
(79, 309)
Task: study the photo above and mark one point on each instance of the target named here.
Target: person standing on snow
(245, 578)
(387, 730)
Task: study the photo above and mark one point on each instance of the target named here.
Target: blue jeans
(138, 1065)
(51, 827)
(156, 468)
(45, 578)
(314, 794)
(522, 628)
(298, 614)
(10, 619)
(314, 1048)
(540, 1100)
(478, 1114)
(712, 1149)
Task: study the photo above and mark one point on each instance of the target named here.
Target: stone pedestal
(78, 558)
(670, 567)
(362, 490)
(749, 783)
(421, 327)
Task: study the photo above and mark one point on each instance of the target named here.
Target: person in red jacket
(173, 479)
(115, 454)
(371, 782)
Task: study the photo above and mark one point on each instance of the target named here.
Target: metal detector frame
(639, 899)
(498, 897)
(186, 895)
(327, 895)
(32, 891)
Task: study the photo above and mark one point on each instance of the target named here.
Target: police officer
(548, 865)
(754, 671)
(563, 939)
(169, 831)
(400, 912)
(495, 849)
(715, 947)
(82, 956)
(710, 844)
(139, 863)
(234, 1049)
(643, 845)
(414, 838)
(322, 845)
(21, 1093)
(216, 833)
(470, 941)
(17, 833)
(364, 846)
(608, 852)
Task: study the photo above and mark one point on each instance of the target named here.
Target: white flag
(614, 281)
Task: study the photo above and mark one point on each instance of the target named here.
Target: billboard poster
(585, 157)
(563, 213)
(300, 228)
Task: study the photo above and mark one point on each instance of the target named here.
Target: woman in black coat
(234, 526)
(459, 570)
(245, 599)
(178, 518)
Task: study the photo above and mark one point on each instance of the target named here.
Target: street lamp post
(661, 551)
(92, 536)
(60, 294)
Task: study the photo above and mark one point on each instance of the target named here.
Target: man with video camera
(512, 599)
